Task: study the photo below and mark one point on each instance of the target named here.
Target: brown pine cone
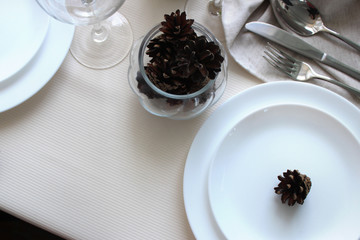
(198, 59)
(151, 94)
(161, 77)
(160, 48)
(180, 61)
(183, 70)
(294, 187)
(177, 27)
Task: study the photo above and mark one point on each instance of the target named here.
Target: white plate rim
(40, 35)
(40, 69)
(208, 138)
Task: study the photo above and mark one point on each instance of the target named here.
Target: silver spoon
(303, 18)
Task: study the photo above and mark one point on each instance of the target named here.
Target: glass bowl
(163, 104)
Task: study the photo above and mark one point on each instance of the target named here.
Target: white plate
(219, 124)
(40, 69)
(266, 143)
(23, 29)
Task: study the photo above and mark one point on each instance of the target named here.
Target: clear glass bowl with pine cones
(178, 69)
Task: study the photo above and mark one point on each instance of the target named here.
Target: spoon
(303, 18)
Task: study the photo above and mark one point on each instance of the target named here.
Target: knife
(296, 44)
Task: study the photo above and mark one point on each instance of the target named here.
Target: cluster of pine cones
(181, 61)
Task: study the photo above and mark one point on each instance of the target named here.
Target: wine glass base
(107, 53)
(200, 11)
(213, 9)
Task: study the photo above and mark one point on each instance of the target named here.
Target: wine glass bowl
(103, 36)
(80, 12)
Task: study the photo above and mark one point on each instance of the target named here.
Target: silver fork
(298, 70)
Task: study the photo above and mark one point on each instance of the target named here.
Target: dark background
(12, 228)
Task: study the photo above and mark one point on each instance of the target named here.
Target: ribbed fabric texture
(84, 160)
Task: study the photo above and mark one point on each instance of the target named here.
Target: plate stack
(32, 47)
(237, 155)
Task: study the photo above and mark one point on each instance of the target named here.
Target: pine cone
(159, 48)
(294, 187)
(180, 61)
(151, 94)
(145, 88)
(198, 60)
(161, 77)
(190, 67)
(177, 27)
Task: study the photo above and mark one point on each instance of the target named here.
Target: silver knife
(296, 44)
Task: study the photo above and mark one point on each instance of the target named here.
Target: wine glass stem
(99, 33)
(214, 7)
(87, 3)
(217, 3)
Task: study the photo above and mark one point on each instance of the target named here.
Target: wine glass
(208, 13)
(214, 7)
(103, 36)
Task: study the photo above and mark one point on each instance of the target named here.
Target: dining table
(81, 158)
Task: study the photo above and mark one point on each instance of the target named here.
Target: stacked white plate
(32, 48)
(235, 158)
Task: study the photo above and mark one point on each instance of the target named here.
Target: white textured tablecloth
(84, 160)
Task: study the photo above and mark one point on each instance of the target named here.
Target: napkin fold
(247, 48)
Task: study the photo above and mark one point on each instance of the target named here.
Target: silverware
(304, 19)
(298, 70)
(296, 44)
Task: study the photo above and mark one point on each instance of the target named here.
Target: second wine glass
(208, 13)
(103, 36)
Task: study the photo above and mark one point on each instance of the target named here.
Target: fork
(298, 70)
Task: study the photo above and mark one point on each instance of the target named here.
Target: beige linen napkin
(247, 48)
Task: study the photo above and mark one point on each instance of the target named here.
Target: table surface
(84, 160)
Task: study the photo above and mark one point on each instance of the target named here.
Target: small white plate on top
(212, 133)
(23, 29)
(40, 69)
(265, 144)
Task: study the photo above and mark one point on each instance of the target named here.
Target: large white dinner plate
(40, 69)
(266, 143)
(23, 27)
(220, 123)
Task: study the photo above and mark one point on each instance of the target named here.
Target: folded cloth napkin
(247, 48)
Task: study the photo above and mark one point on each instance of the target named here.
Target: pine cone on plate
(177, 27)
(293, 187)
